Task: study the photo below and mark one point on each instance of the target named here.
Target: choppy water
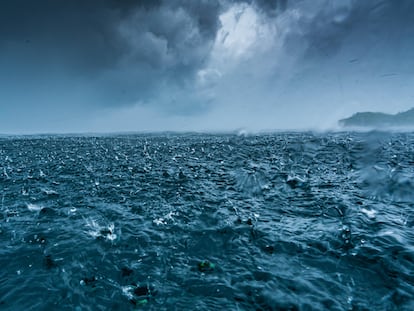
(289, 221)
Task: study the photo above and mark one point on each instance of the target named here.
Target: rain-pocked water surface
(285, 221)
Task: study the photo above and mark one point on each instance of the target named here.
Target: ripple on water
(288, 221)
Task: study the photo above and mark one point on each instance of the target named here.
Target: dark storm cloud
(325, 24)
(75, 32)
(367, 21)
(56, 53)
(125, 49)
(158, 39)
(268, 7)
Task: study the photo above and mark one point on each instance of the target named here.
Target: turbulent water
(288, 221)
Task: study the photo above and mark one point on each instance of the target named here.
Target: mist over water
(286, 221)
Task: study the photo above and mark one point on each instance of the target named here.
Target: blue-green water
(288, 221)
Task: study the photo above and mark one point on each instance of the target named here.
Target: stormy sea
(282, 221)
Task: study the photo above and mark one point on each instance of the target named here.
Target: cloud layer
(202, 60)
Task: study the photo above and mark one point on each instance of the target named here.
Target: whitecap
(159, 221)
(128, 291)
(50, 192)
(370, 213)
(108, 231)
(5, 173)
(163, 220)
(33, 207)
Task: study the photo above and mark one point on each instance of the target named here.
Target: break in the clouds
(201, 65)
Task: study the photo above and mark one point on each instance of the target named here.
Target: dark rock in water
(141, 291)
(295, 182)
(144, 291)
(49, 262)
(238, 221)
(143, 295)
(269, 249)
(139, 302)
(89, 281)
(47, 211)
(292, 183)
(105, 231)
(206, 266)
(182, 176)
(165, 174)
(125, 271)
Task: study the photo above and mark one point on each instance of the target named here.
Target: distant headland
(379, 120)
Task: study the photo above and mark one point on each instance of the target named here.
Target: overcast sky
(204, 65)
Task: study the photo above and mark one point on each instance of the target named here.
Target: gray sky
(154, 65)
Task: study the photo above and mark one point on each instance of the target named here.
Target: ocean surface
(285, 221)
